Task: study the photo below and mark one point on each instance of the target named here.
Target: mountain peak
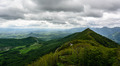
(89, 34)
(88, 29)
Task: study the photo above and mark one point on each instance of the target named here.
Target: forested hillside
(7, 44)
(81, 53)
(86, 48)
(17, 42)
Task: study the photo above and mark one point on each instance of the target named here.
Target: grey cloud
(93, 14)
(63, 5)
(74, 23)
(108, 5)
(72, 12)
(57, 22)
(11, 13)
(34, 25)
(59, 5)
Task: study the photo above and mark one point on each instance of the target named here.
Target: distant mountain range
(55, 33)
(111, 33)
(115, 36)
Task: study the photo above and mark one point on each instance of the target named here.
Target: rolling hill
(17, 42)
(7, 44)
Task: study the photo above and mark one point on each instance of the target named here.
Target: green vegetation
(27, 48)
(84, 42)
(91, 35)
(88, 49)
(81, 54)
(17, 42)
(19, 50)
(31, 47)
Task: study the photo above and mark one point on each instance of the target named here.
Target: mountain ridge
(85, 48)
(89, 34)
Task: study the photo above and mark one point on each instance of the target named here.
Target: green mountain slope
(86, 48)
(88, 34)
(21, 57)
(81, 54)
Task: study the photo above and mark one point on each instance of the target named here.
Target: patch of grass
(18, 47)
(31, 47)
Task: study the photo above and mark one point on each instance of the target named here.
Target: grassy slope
(24, 49)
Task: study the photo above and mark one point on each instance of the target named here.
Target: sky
(59, 14)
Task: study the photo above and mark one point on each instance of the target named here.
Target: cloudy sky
(59, 13)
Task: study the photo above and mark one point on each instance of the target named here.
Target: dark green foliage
(13, 57)
(17, 42)
(81, 54)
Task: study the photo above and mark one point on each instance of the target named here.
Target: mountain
(115, 36)
(52, 34)
(25, 54)
(88, 34)
(85, 48)
(49, 35)
(105, 31)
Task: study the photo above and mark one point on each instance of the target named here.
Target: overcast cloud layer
(59, 13)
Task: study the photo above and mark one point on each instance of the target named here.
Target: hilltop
(89, 34)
